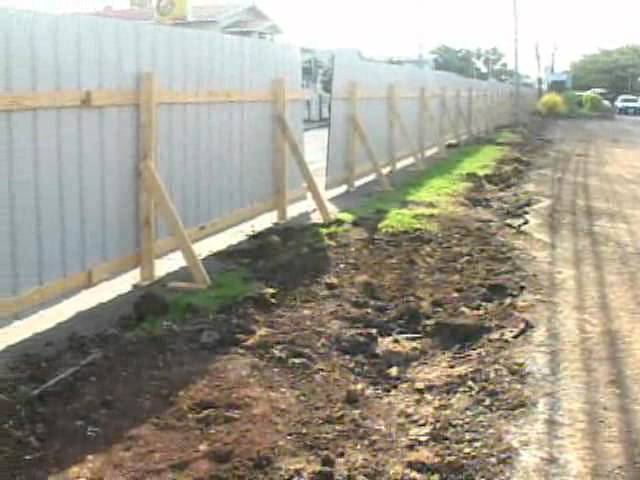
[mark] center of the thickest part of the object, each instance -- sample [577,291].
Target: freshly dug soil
[370,356]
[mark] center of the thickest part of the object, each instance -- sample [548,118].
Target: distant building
[233,18]
[558,81]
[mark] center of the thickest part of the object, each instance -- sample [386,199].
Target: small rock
[419,387]
[393,372]
[150,305]
[368,287]
[331,283]
[273,241]
[209,338]
[222,454]
[262,461]
[495,292]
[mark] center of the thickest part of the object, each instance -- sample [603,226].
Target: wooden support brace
[296,150]
[280,158]
[148,145]
[397,118]
[373,157]
[156,188]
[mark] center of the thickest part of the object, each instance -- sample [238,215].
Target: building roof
[232,16]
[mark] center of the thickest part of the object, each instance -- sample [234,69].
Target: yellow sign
[172,9]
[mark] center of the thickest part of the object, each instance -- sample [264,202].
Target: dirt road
[587,351]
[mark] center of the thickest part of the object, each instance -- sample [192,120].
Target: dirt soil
[585,353]
[370,356]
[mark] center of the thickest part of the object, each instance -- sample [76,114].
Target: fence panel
[450,99]
[70,201]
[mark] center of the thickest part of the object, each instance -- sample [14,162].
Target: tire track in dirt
[589,407]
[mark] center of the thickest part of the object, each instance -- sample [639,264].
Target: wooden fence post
[391,112]
[470,129]
[351,131]
[148,118]
[442,144]
[422,124]
[280,159]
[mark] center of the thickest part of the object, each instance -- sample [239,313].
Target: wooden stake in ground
[148,145]
[422,124]
[391,113]
[280,158]
[352,140]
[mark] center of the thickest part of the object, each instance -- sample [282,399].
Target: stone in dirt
[496,292]
[150,305]
[210,338]
[357,342]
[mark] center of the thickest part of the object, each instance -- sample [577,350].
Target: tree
[479,63]
[616,70]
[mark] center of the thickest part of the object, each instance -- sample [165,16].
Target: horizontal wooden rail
[14,102]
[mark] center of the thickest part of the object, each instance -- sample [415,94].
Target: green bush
[552,104]
[593,103]
[572,101]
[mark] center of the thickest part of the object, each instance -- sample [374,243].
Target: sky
[406,27]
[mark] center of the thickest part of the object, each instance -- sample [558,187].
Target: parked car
[628,105]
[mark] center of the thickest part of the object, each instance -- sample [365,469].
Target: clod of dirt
[354,395]
[150,304]
[327,461]
[222,454]
[210,338]
[409,317]
[358,342]
[496,292]
[331,283]
[262,461]
[453,333]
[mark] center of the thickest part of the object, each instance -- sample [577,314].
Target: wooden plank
[110,98]
[316,194]
[423,108]
[373,157]
[352,146]
[156,187]
[148,146]
[225,96]
[391,125]
[470,129]
[280,154]
[441,117]
[21,101]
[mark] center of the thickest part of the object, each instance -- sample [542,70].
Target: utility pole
[539,69]
[516,78]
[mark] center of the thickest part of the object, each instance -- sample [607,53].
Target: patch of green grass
[508,137]
[341,223]
[227,288]
[409,206]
